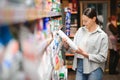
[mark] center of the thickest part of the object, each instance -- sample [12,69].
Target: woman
[111,30]
[89,59]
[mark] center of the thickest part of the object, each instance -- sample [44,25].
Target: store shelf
[71,36]
[118,46]
[73,25]
[14,14]
[73,12]
[69,66]
[69,54]
[73,31]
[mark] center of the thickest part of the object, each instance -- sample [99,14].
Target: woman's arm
[65,44]
[82,52]
[101,56]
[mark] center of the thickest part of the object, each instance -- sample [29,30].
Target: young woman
[92,41]
[111,30]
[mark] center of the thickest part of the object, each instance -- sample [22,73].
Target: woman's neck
[92,28]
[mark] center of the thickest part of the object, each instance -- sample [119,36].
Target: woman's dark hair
[91,12]
[112,18]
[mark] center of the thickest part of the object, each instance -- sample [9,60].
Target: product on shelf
[38,4]
[45,68]
[72,31]
[67,21]
[25,3]
[10,62]
[68,40]
[40,45]
[61,76]
[73,5]
[56,6]
[63,73]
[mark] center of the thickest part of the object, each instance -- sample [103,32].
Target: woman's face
[114,22]
[88,22]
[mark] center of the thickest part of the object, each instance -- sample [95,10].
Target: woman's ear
[94,19]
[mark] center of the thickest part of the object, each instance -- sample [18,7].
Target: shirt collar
[97,30]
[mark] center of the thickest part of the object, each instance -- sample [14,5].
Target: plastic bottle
[67,21]
[61,76]
[69,41]
[10,63]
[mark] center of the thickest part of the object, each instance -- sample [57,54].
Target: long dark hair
[91,12]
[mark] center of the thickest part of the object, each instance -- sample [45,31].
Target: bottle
[67,21]
[61,76]
[68,40]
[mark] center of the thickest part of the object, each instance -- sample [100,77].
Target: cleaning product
[67,21]
[61,76]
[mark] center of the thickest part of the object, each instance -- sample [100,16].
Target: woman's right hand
[65,44]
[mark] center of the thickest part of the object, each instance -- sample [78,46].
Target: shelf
[73,31]
[69,54]
[73,12]
[69,66]
[10,14]
[118,46]
[71,36]
[73,25]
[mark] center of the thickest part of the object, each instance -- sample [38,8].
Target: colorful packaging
[67,21]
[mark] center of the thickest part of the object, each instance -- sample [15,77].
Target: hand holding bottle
[65,44]
[50,39]
[82,52]
[67,40]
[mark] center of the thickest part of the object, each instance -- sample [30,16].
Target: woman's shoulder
[102,32]
[79,31]
[81,28]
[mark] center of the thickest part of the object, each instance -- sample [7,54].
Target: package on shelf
[3,3]
[36,46]
[64,71]
[39,4]
[11,61]
[56,7]
[1,51]
[67,21]
[50,60]
[33,51]
[56,74]
[58,63]
[17,3]
[37,52]
[45,67]
[73,31]
[55,24]
[48,5]
[73,5]
[10,56]
[21,3]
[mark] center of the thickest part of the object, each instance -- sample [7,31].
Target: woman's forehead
[85,17]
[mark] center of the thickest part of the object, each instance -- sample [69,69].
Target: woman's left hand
[79,50]
[82,52]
